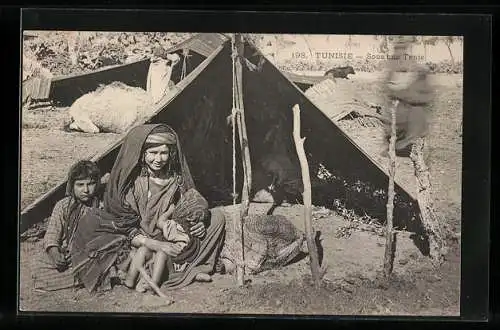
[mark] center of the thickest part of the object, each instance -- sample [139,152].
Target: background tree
[448,41]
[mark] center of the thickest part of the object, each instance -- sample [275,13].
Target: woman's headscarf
[127,167]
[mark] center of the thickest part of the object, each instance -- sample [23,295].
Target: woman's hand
[58,258]
[198,230]
[164,217]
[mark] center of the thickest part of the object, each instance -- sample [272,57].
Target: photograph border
[476,30]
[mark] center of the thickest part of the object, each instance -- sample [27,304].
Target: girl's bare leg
[158,266]
[151,244]
[139,258]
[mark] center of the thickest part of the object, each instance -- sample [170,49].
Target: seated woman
[53,271]
[154,194]
[150,174]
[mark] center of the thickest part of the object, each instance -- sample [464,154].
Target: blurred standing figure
[407,82]
[160,72]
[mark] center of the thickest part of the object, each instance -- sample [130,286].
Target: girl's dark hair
[84,169]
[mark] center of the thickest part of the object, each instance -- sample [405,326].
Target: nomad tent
[199,113]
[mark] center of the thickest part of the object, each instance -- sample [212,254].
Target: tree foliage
[65,52]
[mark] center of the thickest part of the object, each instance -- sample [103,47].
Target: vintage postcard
[146,157]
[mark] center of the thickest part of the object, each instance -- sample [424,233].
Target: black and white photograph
[240,173]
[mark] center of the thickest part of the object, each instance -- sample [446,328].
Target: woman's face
[156,157]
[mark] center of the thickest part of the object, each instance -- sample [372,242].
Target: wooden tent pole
[389,232]
[243,127]
[316,272]
[242,132]
[234,115]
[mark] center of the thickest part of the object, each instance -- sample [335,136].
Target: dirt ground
[351,284]
[47,150]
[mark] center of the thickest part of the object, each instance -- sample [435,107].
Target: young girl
[53,271]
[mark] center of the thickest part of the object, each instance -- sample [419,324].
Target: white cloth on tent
[160,72]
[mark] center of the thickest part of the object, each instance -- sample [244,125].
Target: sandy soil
[351,285]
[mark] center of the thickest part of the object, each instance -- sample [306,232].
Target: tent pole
[244,135]
[389,234]
[316,272]
[242,132]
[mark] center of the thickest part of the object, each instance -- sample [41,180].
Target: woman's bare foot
[128,283]
[303,247]
[229,267]
[142,286]
[122,275]
[203,277]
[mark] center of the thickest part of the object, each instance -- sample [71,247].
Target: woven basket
[270,241]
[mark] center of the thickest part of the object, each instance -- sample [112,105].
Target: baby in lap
[190,209]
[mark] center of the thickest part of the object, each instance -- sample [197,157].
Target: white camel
[118,107]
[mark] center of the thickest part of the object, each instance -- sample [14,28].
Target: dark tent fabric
[199,115]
